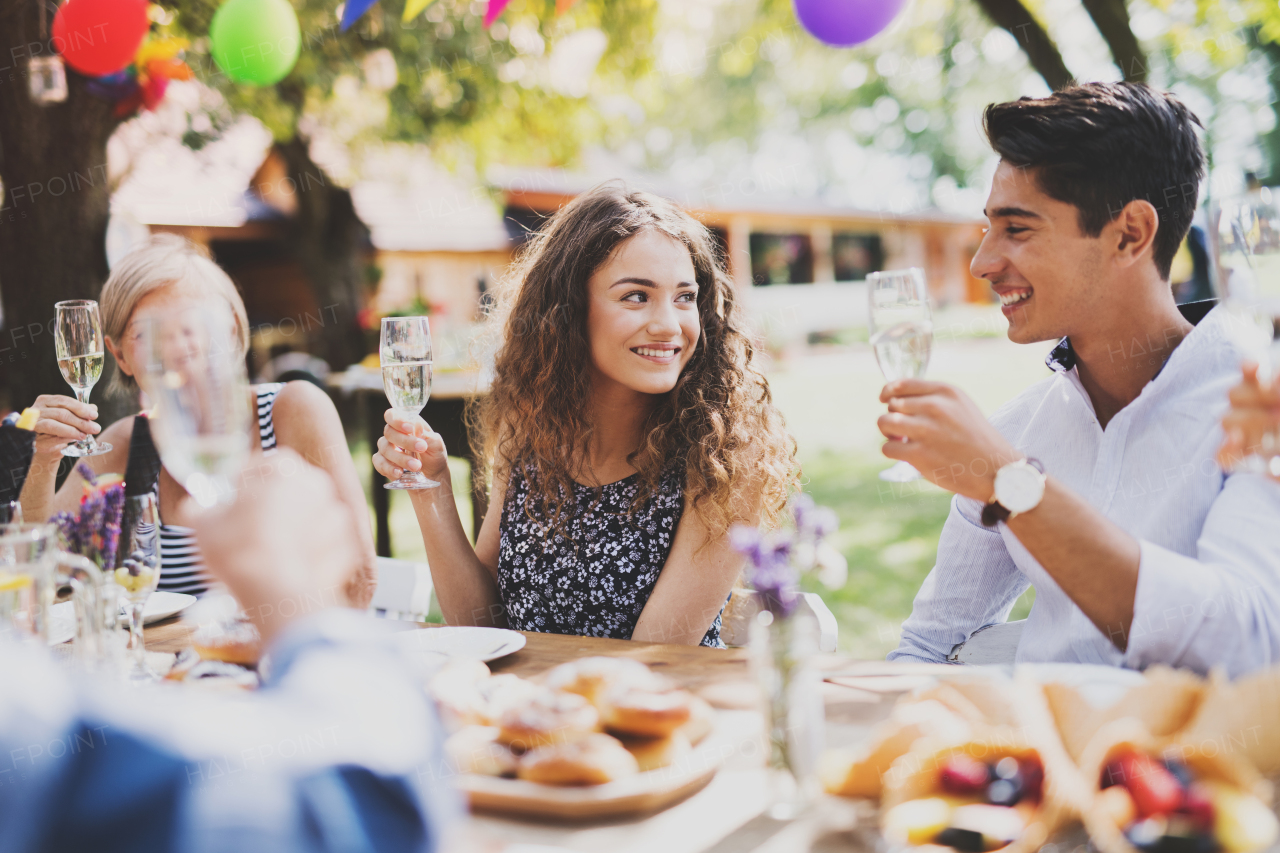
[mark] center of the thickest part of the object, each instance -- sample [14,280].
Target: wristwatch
[1019,488]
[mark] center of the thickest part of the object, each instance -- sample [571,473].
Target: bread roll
[592,760]
[550,717]
[475,749]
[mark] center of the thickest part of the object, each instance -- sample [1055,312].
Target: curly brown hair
[719,419]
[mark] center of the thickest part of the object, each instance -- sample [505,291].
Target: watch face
[1019,488]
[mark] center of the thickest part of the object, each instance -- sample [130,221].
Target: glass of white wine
[901,334]
[194,378]
[405,353]
[77,339]
[1247,245]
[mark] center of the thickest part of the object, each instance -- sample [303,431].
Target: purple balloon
[844,23]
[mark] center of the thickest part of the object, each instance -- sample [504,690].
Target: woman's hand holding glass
[63,420]
[409,444]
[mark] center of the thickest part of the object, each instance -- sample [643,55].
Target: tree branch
[1033,39]
[1111,17]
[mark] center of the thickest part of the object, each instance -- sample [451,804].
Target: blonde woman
[170,273]
[628,430]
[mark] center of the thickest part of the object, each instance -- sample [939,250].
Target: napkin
[143,469]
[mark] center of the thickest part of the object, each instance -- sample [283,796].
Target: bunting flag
[563,6]
[413,8]
[494,10]
[352,10]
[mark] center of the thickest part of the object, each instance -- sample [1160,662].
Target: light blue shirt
[338,752]
[1209,577]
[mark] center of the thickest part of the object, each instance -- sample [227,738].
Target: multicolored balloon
[844,23]
[255,41]
[99,37]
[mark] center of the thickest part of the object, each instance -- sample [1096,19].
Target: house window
[781,259]
[855,256]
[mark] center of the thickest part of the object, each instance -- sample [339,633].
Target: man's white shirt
[1209,579]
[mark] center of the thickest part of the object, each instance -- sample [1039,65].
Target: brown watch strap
[993,513]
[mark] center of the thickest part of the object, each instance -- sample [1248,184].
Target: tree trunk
[1111,17]
[1035,42]
[53,214]
[330,242]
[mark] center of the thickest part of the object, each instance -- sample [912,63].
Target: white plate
[462,642]
[160,605]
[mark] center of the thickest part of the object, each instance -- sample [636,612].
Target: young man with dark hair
[1097,485]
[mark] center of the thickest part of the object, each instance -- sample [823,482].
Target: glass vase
[783,649]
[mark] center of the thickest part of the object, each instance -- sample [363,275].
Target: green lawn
[829,395]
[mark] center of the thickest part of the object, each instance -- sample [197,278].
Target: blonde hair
[163,260]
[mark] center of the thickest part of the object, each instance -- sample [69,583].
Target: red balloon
[99,37]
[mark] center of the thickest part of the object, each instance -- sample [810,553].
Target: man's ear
[1132,234]
[118,355]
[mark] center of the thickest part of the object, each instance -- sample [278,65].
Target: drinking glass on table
[77,339]
[1247,246]
[901,334]
[194,377]
[405,353]
[138,573]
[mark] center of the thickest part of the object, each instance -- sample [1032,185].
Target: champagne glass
[901,334]
[1247,245]
[137,573]
[405,352]
[77,340]
[194,376]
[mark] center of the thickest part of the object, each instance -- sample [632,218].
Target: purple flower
[85,471]
[775,561]
[114,499]
[66,524]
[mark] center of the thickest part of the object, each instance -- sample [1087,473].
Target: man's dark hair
[1102,145]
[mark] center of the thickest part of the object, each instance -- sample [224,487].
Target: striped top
[181,569]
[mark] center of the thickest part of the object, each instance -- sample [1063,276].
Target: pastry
[859,772]
[236,642]
[592,677]
[456,693]
[475,749]
[1157,796]
[979,796]
[654,753]
[550,717]
[701,719]
[501,693]
[639,712]
[591,760]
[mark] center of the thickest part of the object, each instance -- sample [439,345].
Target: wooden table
[724,817]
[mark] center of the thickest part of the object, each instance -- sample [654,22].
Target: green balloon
[255,41]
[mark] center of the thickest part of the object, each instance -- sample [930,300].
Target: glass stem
[82,394]
[136,648]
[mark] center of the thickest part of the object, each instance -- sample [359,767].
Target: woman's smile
[658,353]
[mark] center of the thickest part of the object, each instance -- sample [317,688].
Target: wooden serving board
[642,794]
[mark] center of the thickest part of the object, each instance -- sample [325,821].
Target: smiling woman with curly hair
[627,430]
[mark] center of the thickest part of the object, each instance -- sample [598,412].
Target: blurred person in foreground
[333,753]
[1099,484]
